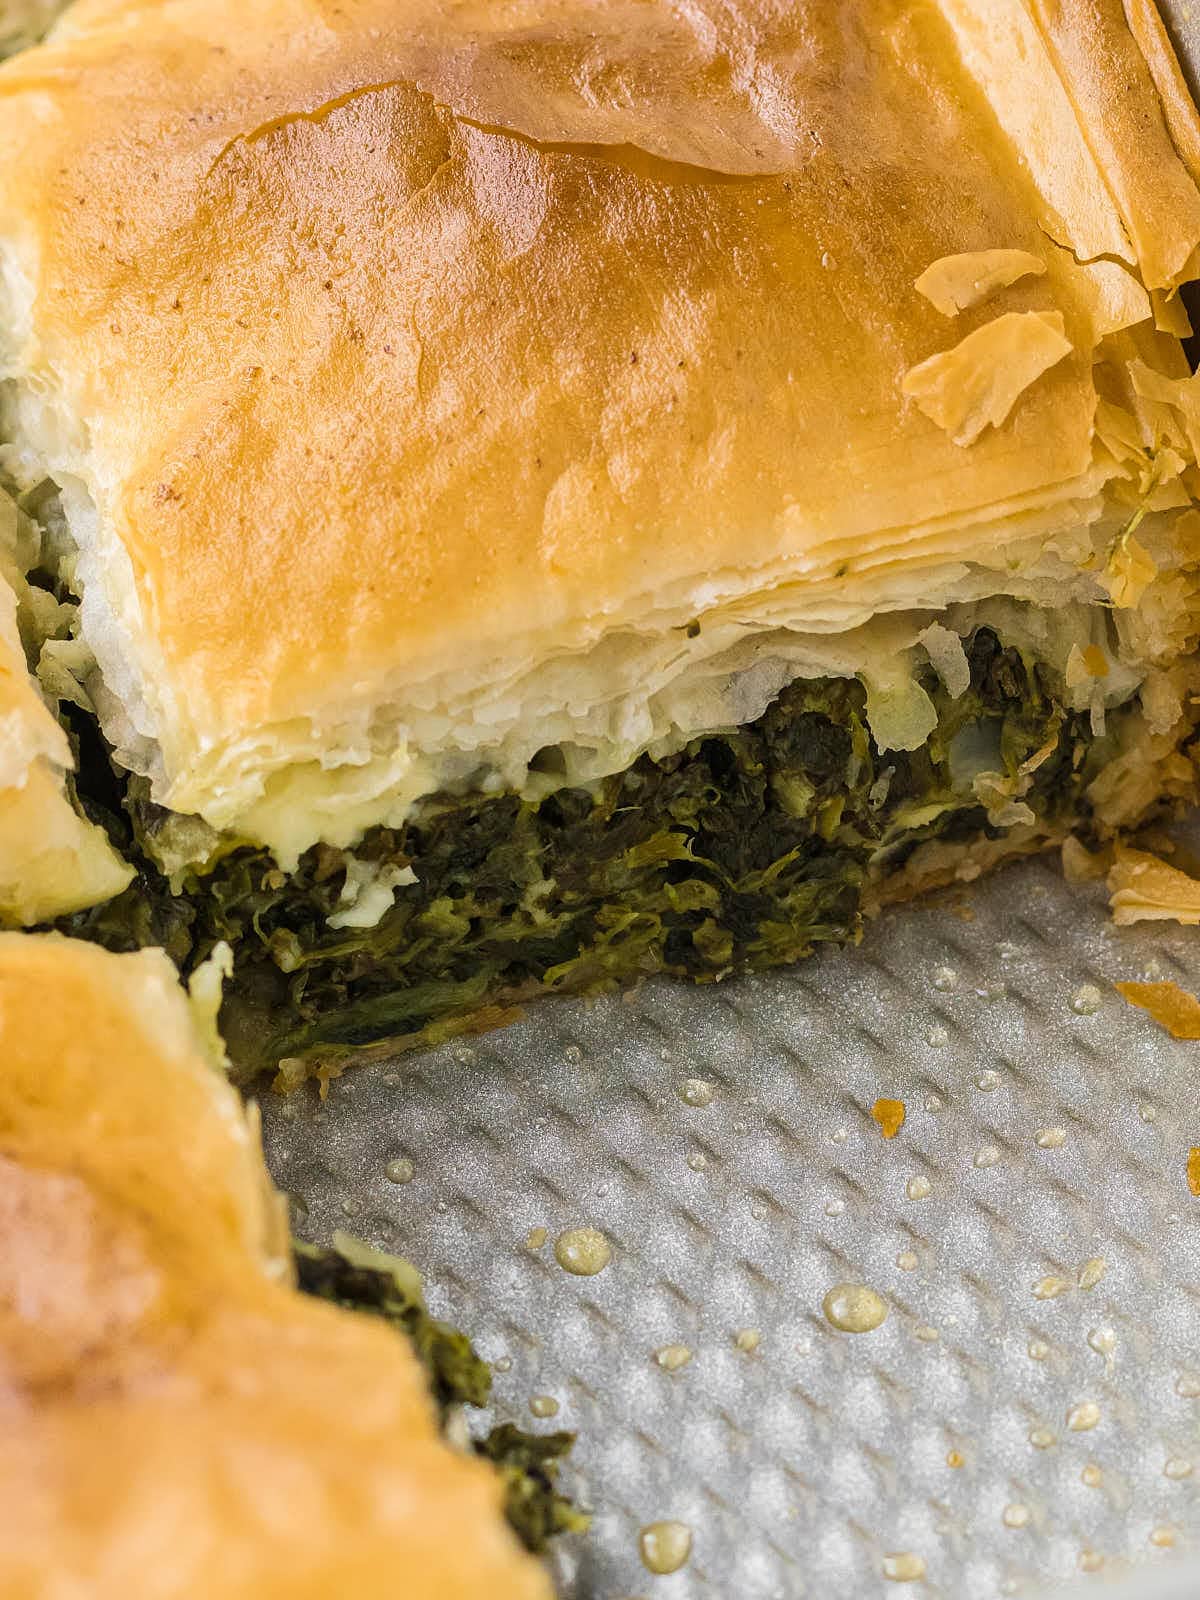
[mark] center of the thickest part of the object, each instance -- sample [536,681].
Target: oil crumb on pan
[1082,1418]
[665,1546]
[673,1357]
[1091,1272]
[583,1252]
[1171,1007]
[1102,1340]
[854,1308]
[889,1114]
[904,1566]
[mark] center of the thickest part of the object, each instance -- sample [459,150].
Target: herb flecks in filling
[744,849]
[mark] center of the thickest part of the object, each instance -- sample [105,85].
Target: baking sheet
[1046,1136]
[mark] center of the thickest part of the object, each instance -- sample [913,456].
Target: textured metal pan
[1001,1433]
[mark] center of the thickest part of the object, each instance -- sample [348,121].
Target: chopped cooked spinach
[456,1374]
[528,1463]
[746,848]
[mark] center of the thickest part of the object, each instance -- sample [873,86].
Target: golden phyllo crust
[415,370]
[178,1422]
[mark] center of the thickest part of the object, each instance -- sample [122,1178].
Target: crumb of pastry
[889,1114]
[1171,1007]
[1144,888]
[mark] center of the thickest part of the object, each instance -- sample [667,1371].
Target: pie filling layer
[745,849]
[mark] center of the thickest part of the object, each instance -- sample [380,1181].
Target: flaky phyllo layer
[795,529]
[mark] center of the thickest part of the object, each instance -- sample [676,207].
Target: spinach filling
[744,849]
[527,1463]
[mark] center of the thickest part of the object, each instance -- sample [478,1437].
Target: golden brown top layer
[394,338]
[177,1422]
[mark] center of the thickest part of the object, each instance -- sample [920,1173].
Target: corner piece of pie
[179,1422]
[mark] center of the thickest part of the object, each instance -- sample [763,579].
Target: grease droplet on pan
[665,1546]
[1092,1271]
[673,1357]
[1086,1000]
[1083,1417]
[904,1566]
[854,1308]
[583,1252]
